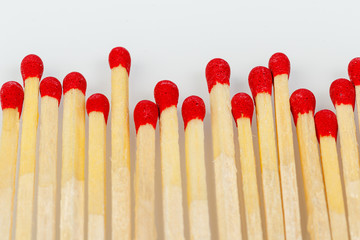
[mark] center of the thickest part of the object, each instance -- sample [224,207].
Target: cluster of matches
[325,199]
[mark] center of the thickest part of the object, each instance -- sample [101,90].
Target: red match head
[260,80]
[74,80]
[166,94]
[302,101]
[242,106]
[31,66]
[12,96]
[193,108]
[51,87]
[120,56]
[279,64]
[342,91]
[217,71]
[145,112]
[354,70]
[326,124]
[98,103]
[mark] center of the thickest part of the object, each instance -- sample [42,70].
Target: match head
[51,87]
[242,106]
[193,108]
[12,96]
[74,80]
[302,101]
[279,64]
[354,71]
[31,66]
[342,91]
[120,56]
[326,124]
[98,103]
[260,80]
[166,94]
[217,71]
[145,112]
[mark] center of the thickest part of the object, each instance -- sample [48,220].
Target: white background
[175,41]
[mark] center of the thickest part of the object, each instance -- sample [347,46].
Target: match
[354,75]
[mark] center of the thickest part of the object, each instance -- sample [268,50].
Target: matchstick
[73,158]
[227,197]
[326,132]
[260,82]
[166,96]
[50,91]
[12,96]
[97,107]
[31,71]
[193,113]
[342,94]
[120,61]
[302,103]
[145,118]
[242,107]
[279,65]
[354,74]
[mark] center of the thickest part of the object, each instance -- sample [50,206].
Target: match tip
[279,64]
[120,56]
[260,80]
[12,96]
[166,94]
[31,66]
[242,106]
[51,87]
[145,112]
[326,124]
[74,80]
[193,107]
[354,70]
[98,103]
[342,91]
[302,101]
[217,71]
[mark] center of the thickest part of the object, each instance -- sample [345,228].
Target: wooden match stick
[31,71]
[145,118]
[342,94]
[193,113]
[50,91]
[260,82]
[242,108]
[227,197]
[279,65]
[73,158]
[12,96]
[166,96]
[120,61]
[97,107]
[354,74]
[302,103]
[326,131]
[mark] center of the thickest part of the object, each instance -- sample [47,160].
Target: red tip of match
[74,80]
[279,64]
[242,106]
[145,112]
[193,108]
[12,96]
[98,103]
[342,91]
[31,66]
[51,87]
[120,56]
[217,71]
[260,80]
[166,94]
[354,70]
[326,124]
[302,101]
